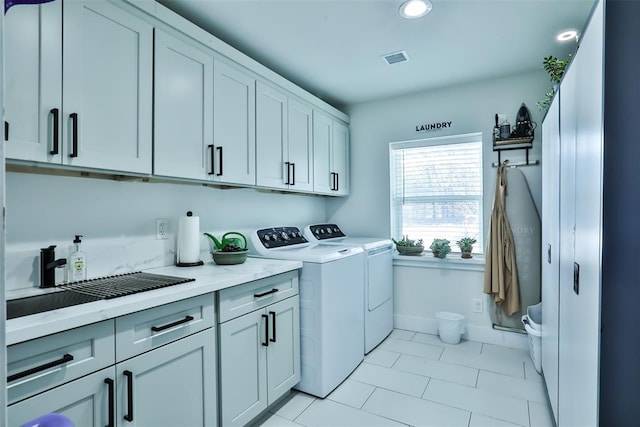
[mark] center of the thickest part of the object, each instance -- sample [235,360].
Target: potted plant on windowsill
[466,246]
[440,248]
[408,246]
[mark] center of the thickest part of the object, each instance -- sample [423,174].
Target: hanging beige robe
[500,272]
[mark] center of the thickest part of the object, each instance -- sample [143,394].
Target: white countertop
[209,278]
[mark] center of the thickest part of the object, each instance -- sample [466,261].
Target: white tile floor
[413,379]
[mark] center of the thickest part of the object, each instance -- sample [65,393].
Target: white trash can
[534,314]
[535,342]
[450,327]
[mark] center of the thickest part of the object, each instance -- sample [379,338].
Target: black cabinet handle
[220,157]
[337,181]
[264,294]
[333,181]
[111,402]
[212,159]
[171,325]
[64,359]
[129,415]
[266,330]
[293,173]
[6,130]
[288,173]
[273,325]
[548,254]
[56,144]
[74,134]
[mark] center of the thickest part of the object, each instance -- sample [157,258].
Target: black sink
[90,290]
[46,302]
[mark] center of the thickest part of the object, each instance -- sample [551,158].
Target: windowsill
[451,262]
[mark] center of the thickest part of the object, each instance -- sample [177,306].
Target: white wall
[117,219]
[420,292]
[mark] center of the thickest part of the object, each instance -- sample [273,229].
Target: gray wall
[420,292]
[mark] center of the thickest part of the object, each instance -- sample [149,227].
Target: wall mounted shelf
[514,144]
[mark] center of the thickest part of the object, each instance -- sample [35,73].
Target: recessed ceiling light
[412,9]
[567,35]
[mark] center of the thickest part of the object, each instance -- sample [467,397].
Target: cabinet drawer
[38,365]
[245,298]
[145,330]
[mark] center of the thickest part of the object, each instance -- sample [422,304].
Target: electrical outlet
[477,305]
[162,229]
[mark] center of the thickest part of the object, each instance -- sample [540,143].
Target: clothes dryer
[331,286]
[378,278]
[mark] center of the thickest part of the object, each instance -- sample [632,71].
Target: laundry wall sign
[433,126]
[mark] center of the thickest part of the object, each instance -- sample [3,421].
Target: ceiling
[334,48]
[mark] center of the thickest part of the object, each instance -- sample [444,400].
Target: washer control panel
[278,237]
[326,231]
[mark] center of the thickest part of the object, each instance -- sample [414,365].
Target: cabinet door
[271,137]
[84,401]
[300,146]
[173,385]
[33,81]
[283,352]
[340,158]
[323,181]
[550,249]
[243,365]
[234,125]
[183,109]
[107,87]
[584,305]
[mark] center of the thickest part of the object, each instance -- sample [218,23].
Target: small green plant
[440,248]
[406,241]
[466,246]
[555,67]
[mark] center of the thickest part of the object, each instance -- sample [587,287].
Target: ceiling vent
[396,57]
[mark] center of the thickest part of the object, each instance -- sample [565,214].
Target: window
[436,189]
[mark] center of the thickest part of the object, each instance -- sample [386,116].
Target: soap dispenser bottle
[77,262]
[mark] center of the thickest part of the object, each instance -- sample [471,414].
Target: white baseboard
[473,332]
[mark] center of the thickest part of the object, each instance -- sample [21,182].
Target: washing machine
[331,286]
[378,274]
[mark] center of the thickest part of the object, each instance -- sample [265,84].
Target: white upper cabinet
[330,155]
[79,95]
[33,82]
[284,141]
[183,109]
[107,89]
[234,126]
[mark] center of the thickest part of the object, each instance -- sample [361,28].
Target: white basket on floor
[535,343]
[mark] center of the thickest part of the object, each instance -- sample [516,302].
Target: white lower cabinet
[259,356]
[173,385]
[163,375]
[84,401]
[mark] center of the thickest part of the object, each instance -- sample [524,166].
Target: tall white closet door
[550,249]
[584,303]
[567,321]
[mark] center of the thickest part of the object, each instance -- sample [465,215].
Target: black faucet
[48,264]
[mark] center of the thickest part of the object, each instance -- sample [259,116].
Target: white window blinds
[436,189]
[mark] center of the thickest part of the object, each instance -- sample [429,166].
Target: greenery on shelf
[466,246]
[555,67]
[406,241]
[440,248]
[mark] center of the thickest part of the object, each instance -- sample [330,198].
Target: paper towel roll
[188,239]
